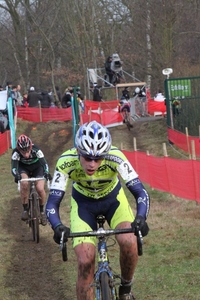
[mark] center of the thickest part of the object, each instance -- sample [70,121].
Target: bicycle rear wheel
[127,120]
[106,293]
[35,218]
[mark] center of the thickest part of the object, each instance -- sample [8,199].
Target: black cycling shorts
[33,170]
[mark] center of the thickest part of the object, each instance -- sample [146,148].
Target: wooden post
[188,144]
[164,149]
[193,150]
[40,109]
[134,144]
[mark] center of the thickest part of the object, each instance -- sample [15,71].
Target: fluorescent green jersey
[102,182]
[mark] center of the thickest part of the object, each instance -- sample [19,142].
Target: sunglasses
[91,158]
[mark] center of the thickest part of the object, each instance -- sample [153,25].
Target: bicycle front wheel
[35,218]
[106,293]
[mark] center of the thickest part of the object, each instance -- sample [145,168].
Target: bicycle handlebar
[33,179]
[102,232]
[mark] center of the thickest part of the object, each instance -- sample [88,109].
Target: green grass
[168,269]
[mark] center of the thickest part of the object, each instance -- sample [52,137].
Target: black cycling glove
[141,224]
[18,177]
[47,176]
[58,233]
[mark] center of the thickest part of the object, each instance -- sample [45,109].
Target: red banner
[35,114]
[184,142]
[5,142]
[178,177]
[154,106]
[105,113]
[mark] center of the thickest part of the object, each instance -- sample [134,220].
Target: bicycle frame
[126,118]
[103,260]
[34,207]
[103,265]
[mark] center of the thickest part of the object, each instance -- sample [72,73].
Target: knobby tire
[127,121]
[64,252]
[35,218]
[105,288]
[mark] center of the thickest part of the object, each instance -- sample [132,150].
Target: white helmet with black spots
[93,139]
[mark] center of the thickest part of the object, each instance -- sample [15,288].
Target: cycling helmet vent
[24,143]
[93,139]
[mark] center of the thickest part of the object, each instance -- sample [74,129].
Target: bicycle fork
[103,266]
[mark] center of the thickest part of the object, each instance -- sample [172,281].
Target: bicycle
[126,119]
[34,207]
[105,281]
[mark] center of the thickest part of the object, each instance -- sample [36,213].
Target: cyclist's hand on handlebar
[58,233]
[47,176]
[18,177]
[141,224]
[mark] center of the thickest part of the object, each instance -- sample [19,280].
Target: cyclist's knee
[85,254]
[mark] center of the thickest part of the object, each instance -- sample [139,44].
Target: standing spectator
[13,94]
[3,122]
[80,99]
[24,101]
[19,97]
[159,96]
[108,70]
[46,100]
[58,93]
[33,97]
[125,93]
[9,88]
[141,96]
[66,99]
[51,95]
[97,93]
[1,88]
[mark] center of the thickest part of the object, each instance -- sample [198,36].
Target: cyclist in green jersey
[29,161]
[94,167]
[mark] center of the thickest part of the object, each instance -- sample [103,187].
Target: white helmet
[93,139]
[137,90]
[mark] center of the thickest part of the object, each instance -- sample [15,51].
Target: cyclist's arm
[42,160]
[15,162]
[141,196]
[56,194]
[136,187]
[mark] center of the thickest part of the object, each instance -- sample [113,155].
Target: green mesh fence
[183,104]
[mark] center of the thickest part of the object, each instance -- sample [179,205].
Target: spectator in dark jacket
[46,100]
[33,98]
[66,99]
[97,93]
[58,93]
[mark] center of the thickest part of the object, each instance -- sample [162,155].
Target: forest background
[45,43]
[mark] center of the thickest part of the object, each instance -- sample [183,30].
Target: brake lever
[139,240]
[63,247]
